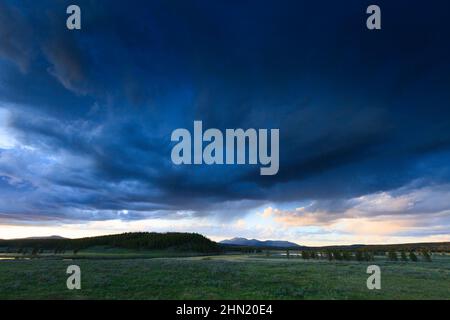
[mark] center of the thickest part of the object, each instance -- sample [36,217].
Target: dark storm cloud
[15,35]
[92,110]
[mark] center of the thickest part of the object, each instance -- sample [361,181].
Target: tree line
[361,255]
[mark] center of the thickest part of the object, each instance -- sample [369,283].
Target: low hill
[430,246]
[254,244]
[137,241]
[259,243]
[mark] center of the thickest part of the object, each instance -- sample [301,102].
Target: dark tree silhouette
[412,256]
[403,256]
[337,255]
[347,255]
[426,256]
[392,255]
[359,256]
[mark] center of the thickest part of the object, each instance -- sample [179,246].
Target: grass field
[223,277]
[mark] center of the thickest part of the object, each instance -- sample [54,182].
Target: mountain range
[259,243]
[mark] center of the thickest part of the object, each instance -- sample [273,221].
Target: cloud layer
[86,116]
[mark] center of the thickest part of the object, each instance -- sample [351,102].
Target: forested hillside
[137,241]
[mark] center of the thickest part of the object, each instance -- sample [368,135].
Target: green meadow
[122,275]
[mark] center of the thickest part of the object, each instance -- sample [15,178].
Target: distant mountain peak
[238,241]
[45,237]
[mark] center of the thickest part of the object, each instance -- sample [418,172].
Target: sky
[86,118]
